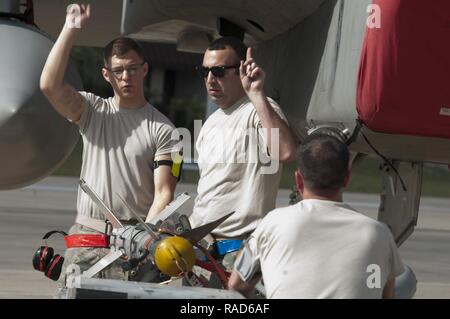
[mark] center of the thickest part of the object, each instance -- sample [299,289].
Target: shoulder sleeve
[276,108]
[166,140]
[247,263]
[91,102]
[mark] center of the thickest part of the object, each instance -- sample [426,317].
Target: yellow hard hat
[174,255]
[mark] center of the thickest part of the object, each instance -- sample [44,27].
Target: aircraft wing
[171,20]
[49,15]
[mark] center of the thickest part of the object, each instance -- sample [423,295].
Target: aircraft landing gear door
[399,206]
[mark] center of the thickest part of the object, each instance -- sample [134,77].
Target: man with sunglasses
[233,176]
[123,137]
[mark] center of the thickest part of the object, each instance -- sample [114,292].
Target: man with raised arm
[240,147]
[123,137]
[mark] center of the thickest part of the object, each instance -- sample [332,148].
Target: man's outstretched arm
[64,98]
[252,78]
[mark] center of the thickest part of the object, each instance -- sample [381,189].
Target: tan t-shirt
[119,148]
[236,172]
[321,249]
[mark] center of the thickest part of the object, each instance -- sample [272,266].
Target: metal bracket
[399,207]
[171,208]
[103,208]
[112,256]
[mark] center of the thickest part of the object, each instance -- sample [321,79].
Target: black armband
[175,166]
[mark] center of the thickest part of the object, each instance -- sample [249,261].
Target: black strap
[157,164]
[46,236]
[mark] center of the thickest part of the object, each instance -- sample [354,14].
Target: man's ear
[299,181]
[145,69]
[347,178]
[106,75]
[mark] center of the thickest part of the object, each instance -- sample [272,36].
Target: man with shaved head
[320,247]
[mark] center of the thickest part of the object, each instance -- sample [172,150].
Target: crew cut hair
[234,43]
[323,161]
[121,46]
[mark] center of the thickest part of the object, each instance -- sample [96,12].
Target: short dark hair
[120,46]
[323,162]
[234,43]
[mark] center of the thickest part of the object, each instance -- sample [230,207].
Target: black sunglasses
[217,71]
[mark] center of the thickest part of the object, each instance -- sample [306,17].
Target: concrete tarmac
[27,214]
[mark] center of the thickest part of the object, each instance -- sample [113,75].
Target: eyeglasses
[217,71]
[132,70]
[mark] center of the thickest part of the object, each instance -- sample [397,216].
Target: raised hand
[77,15]
[252,76]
